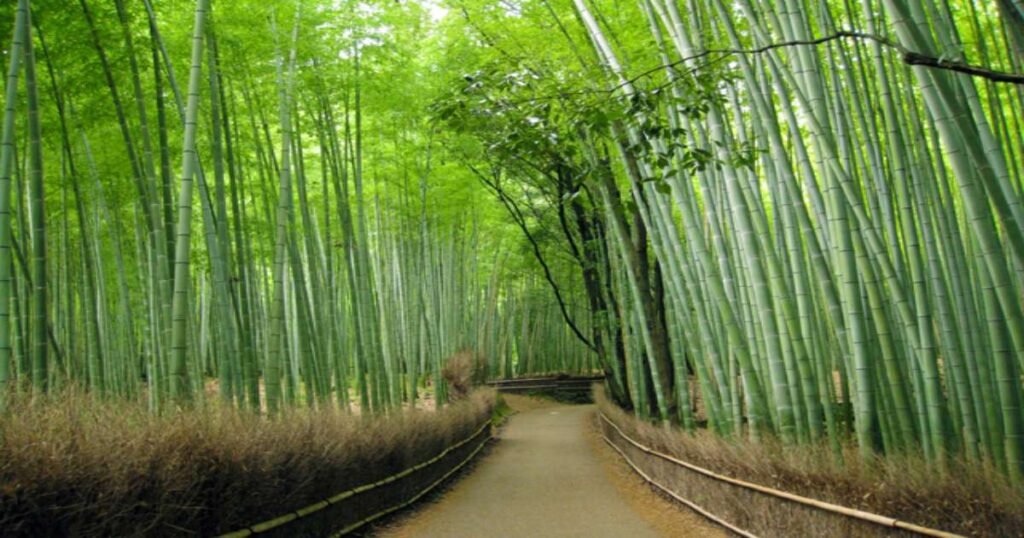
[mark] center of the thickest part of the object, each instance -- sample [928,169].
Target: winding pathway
[542,479]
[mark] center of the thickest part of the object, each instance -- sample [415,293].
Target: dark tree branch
[517,216]
[564,222]
[908,56]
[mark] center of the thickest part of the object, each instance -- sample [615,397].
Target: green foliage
[663,193]
[388,245]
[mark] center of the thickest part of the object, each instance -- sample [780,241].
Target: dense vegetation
[334,253]
[78,467]
[809,208]
[964,500]
[799,218]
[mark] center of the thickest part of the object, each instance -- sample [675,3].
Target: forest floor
[549,475]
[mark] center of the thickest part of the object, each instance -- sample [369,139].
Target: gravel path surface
[543,478]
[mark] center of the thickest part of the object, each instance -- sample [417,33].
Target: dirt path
[544,478]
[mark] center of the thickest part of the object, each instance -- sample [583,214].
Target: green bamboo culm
[180,388]
[278,329]
[40,320]
[6,167]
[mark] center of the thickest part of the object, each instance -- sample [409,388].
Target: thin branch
[909,57]
[517,216]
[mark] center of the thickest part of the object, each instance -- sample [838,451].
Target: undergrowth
[968,498]
[77,466]
[500,412]
[462,372]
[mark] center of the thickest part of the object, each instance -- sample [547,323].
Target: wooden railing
[352,509]
[562,384]
[687,483]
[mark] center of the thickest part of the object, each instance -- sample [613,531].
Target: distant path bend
[541,479]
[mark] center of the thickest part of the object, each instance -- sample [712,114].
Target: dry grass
[74,466]
[967,499]
[463,371]
[666,515]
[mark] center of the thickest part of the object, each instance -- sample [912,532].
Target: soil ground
[549,475]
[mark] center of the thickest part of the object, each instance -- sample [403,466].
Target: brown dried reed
[968,498]
[462,371]
[77,466]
